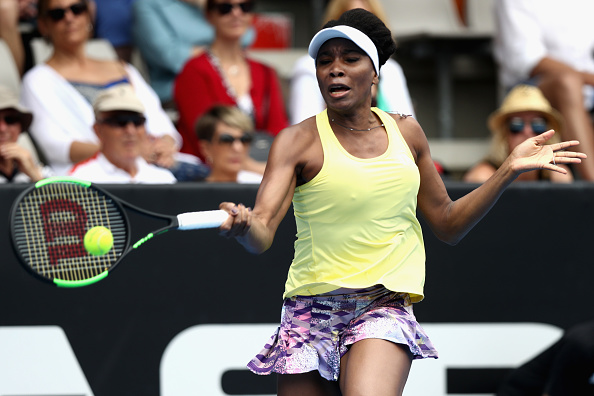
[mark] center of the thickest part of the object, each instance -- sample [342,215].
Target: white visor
[349,33]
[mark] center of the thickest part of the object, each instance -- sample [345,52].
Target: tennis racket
[49,220]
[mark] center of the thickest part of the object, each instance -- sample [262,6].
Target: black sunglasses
[11,119]
[228,139]
[57,14]
[122,120]
[538,125]
[225,8]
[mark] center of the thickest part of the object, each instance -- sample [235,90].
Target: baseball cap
[120,97]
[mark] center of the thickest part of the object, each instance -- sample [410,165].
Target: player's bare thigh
[311,384]
[375,367]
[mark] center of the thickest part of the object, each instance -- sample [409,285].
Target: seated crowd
[197,66]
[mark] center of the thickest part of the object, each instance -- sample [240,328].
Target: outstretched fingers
[568,157]
[564,145]
[562,157]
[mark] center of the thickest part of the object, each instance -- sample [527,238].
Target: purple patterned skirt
[316,331]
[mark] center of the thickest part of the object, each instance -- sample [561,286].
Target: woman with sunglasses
[60,92]
[356,177]
[168,33]
[524,113]
[225,136]
[224,75]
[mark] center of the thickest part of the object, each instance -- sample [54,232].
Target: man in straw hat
[523,114]
[119,125]
[17,164]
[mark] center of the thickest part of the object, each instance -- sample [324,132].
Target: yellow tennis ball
[98,241]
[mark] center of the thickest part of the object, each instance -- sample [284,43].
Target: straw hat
[524,98]
[9,100]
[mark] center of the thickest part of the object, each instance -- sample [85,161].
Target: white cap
[120,97]
[349,33]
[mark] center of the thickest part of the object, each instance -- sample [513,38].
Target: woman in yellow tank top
[355,176]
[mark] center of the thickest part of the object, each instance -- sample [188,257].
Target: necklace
[356,130]
[233,70]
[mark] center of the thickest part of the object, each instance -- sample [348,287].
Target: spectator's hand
[23,159]
[535,154]
[165,149]
[160,151]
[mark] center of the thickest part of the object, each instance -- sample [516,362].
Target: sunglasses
[57,14]
[538,125]
[225,8]
[228,139]
[122,120]
[11,119]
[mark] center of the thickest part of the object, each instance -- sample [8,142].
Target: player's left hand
[534,153]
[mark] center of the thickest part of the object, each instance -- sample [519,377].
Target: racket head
[48,222]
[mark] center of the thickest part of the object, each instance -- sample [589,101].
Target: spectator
[120,129]
[113,22]
[61,91]
[168,33]
[566,368]
[551,46]
[225,135]
[391,94]
[17,164]
[10,13]
[523,114]
[224,75]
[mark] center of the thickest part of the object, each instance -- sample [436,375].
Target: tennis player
[356,176]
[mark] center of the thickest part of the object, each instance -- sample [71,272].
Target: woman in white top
[60,92]
[391,94]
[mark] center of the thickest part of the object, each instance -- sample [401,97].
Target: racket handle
[198,220]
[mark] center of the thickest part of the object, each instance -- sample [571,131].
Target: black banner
[528,261]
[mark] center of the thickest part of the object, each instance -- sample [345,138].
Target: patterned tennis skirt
[316,331]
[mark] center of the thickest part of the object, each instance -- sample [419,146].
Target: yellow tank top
[356,220]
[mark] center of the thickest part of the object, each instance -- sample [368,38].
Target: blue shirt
[165,31]
[114,21]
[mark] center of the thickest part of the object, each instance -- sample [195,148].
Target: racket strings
[49,228]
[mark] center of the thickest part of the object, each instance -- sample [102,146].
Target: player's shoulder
[301,132]
[407,124]
[296,140]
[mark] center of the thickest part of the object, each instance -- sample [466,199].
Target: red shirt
[199,86]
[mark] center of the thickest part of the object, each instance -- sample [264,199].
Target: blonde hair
[336,8]
[230,115]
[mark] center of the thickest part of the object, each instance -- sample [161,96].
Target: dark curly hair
[372,27]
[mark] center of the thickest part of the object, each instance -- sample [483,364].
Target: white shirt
[99,170]
[529,30]
[306,100]
[248,177]
[62,115]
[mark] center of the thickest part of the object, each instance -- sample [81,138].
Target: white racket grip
[198,220]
